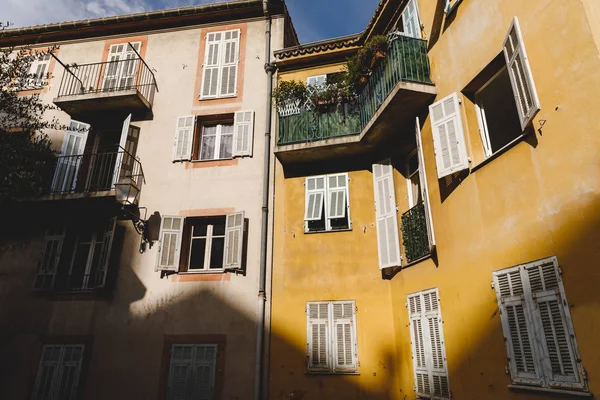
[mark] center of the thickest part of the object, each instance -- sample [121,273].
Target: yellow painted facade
[536,199]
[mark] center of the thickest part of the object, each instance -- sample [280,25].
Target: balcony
[89,91]
[415,235]
[397,89]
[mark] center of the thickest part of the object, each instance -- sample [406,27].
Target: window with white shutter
[411,25]
[243,133]
[220,69]
[388,242]
[234,237]
[327,205]
[48,264]
[192,372]
[170,244]
[428,347]
[38,71]
[537,326]
[331,344]
[59,372]
[448,136]
[184,137]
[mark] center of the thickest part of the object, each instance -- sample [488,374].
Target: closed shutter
[521,78]
[314,198]
[105,250]
[184,136]
[388,243]
[211,68]
[58,372]
[428,347]
[48,264]
[231,48]
[68,380]
[203,377]
[243,132]
[424,187]
[337,189]
[180,372]
[234,237]
[112,68]
[344,326]
[317,336]
[170,243]
[448,136]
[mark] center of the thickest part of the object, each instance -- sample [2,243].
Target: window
[539,336]
[327,204]
[231,136]
[59,372]
[411,26]
[388,243]
[201,244]
[38,71]
[76,257]
[192,372]
[428,348]
[317,80]
[221,57]
[122,64]
[331,337]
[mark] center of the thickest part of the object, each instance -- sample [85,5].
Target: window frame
[207,249]
[37,81]
[221,64]
[60,365]
[415,18]
[326,202]
[218,136]
[413,154]
[193,363]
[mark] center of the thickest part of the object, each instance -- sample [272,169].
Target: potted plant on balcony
[358,69]
[377,47]
[290,94]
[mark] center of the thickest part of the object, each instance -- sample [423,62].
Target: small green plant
[360,65]
[290,92]
[378,44]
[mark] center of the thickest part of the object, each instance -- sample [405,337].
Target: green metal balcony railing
[406,61]
[415,237]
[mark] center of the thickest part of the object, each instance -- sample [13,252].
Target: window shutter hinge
[406,304]
[493,285]
[506,370]
[559,271]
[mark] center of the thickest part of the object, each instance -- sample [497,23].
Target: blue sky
[313,19]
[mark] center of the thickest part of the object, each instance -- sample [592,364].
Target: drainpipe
[260,326]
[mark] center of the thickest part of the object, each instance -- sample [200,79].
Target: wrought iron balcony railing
[406,61]
[415,237]
[96,172]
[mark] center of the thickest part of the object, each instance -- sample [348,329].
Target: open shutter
[203,375]
[448,136]
[212,62]
[344,337]
[243,133]
[184,135]
[521,78]
[388,242]
[424,187]
[517,326]
[337,189]
[317,337]
[559,357]
[53,243]
[230,53]
[170,244]
[180,372]
[105,249]
[314,198]
[122,144]
[234,237]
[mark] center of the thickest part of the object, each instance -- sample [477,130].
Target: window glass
[216,142]
[207,243]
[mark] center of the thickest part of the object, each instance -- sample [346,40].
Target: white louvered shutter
[53,243]
[105,250]
[184,136]
[211,68]
[180,372]
[517,326]
[424,187]
[521,78]
[314,198]
[317,336]
[229,68]
[243,133]
[388,242]
[417,339]
[122,143]
[448,136]
[344,336]
[203,372]
[170,244]
[58,372]
[234,237]
[112,68]
[337,189]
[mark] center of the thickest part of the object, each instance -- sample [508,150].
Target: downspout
[260,325]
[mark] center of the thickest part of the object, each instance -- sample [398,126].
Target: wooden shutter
[58,372]
[184,136]
[170,243]
[203,372]
[229,66]
[243,133]
[211,67]
[48,264]
[388,243]
[314,198]
[517,326]
[424,187]
[521,78]
[105,250]
[337,190]
[180,372]
[428,347]
[448,136]
[344,336]
[234,237]
[318,351]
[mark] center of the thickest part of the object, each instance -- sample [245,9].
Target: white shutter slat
[318,340]
[521,78]
[314,198]
[345,336]
[212,66]
[180,372]
[424,186]
[336,196]
[243,124]
[230,54]
[388,242]
[234,236]
[184,136]
[170,243]
[448,136]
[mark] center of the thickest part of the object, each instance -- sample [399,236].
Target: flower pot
[377,58]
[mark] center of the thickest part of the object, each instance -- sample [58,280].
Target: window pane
[208,142]
[219,226]
[199,228]
[225,150]
[79,264]
[216,256]
[197,254]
